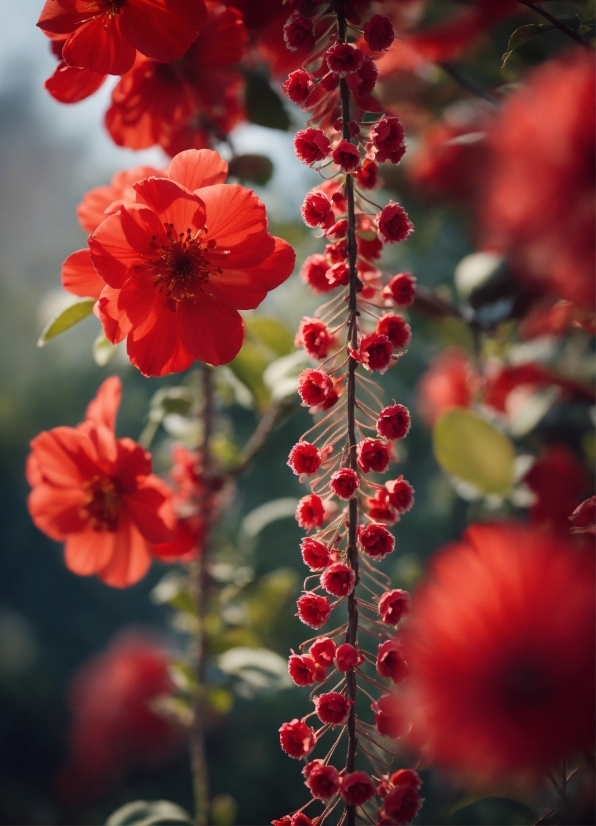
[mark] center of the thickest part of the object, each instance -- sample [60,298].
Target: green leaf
[264,515]
[256,169]
[271,333]
[66,319]
[259,667]
[522,35]
[148,813]
[220,699]
[224,810]
[103,350]
[587,27]
[468,447]
[263,105]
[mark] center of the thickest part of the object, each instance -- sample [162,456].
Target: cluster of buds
[346,514]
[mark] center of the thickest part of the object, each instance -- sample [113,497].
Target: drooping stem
[558,24]
[199,768]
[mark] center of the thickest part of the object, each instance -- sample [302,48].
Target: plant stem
[557,23]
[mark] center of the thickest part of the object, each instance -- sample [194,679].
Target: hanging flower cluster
[346,515]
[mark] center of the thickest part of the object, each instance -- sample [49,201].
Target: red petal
[55,510]
[237,221]
[80,277]
[151,509]
[100,46]
[89,551]
[185,544]
[123,241]
[198,167]
[246,289]
[133,462]
[64,457]
[210,330]
[116,324]
[155,347]
[163,29]
[103,409]
[130,557]
[70,85]
[173,203]
[63,16]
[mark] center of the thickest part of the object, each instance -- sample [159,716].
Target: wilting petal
[196,168]
[80,277]
[103,409]
[210,330]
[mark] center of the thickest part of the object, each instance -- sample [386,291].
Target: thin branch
[557,23]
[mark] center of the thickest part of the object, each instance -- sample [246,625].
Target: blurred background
[52,621]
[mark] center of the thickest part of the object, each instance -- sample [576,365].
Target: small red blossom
[105,37]
[374,352]
[338,275]
[311,145]
[313,610]
[297,739]
[97,494]
[299,34]
[394,224]
[346,156]
[323,651]
[390,661]
[402,803]
[337,252]
[380,509]
[406,777]
[333,708]
[316,555]
[344,483]
[376,540]
[401,290]
[373,455]
[323,781]
[314,387]
[370,248]
[378,33]
[338,579]
[339,230]
[400,494]
[314,273]
[298,86]
[310,511]
[356,788]
[316,210]
[348,657]
[394,605]
[315,337]
[304,458]
[386,140]
[368,175]
[394,422]
[388,716]
[397,330]
[302,669]
[362,82]
[344,58]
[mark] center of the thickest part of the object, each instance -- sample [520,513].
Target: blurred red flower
[104,35]
[97,494]
[449,382]
[560,483]
[540,200]
[500,651]
[181,262]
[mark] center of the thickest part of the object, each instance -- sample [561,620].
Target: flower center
[181,266]
[103,504]
[109,7]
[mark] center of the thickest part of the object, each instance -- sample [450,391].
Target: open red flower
[316,555]
[394,422]
[297,739]
[104,36]
[98,495]
[333,707]
[388,716]
[323,781]
[357,788]
[376,540]
[313,609]
[180,263]
[394,605]
[373,454]
[323,651]
[390,661]
[338,579]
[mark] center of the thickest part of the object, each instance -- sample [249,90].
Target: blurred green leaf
[256,169]
[224,810]
[269,597]
[468,447]
[263,105]
[231,390]
[281,376]
[148,813]
[103,350]
[522,35]
[264,515]
[259,667]
[220,699]
[271,333]
[65,320]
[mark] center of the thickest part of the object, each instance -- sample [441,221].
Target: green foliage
[468,447]
[522,34]
[148,813]
[224,810]
[103,350]
[255,169]
[266,341]
[66,319]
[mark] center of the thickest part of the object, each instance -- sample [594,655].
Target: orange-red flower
[500,651]
[97,494]
[180,263]
[104,35]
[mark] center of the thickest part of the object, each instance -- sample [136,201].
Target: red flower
[304,458]
[403,802]
[323,651]
[449,382]
[97,493]
[313,609]
[348,657]
[560,482]
[401,290]
[356,788]
[302,669]
[316,210]
[395,328]
[314,273]
[376,540]
[310,511]
[316,555]
[297,739]
[298,86]
[187,103]
[67,84]
[338,275]
[388,716]
[390,661]
[299,34]
[378,33]
[338,579]
[386,142]
[105,200]
[314,387]
[105,36]
[400,494]
[379,508]
[114,726]
[394,224]
[315,337]
[311,145]
[181,263]
[333,708]
[394,605]
[80,277]
[361,83]
[374,352]
[373,455]
[346,156]
[344,483]
[368,175]
[394,422]
[323,781]
[344,58]
[501,686]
